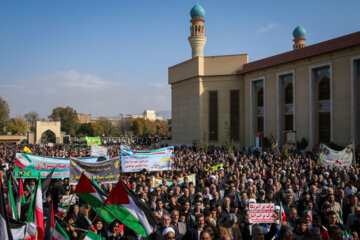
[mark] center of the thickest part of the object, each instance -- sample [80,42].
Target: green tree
[138,126]
[162,128]
[98,129]
[4,113]
[85,129]
[17,125]
[32,117]
[106,125]
[149,128]
[68,118]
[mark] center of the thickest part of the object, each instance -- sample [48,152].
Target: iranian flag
[11,201]
[308,215]
[282,214]
[22,161]
[61,209]
[35,214]
[130,210]
[86,190]
[59,233]
[93,236]
[52,218]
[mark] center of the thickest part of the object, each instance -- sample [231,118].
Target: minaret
[299,34]
[197,37]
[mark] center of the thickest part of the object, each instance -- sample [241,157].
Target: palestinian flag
[61,209]
[22,161]
[282,214]
[35,214]
[11,202]
[5,232]
[20,230]
[87,192]
[59,233]
[93,236]
[130,210]
[10,228]
[47,181]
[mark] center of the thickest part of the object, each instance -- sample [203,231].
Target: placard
[261,213]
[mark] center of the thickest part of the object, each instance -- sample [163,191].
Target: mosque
[311,92]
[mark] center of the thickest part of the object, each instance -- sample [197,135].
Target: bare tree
[32,117]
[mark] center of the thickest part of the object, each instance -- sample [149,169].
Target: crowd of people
[311,201]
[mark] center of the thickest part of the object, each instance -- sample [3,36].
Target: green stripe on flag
[93,236]
[126,218]
[96,204]
[12,201]
[59,233]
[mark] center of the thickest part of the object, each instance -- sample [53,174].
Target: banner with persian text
[169,182]
[98,151]
[343,158]
[30,166]
[156,160]
[93,141]
[104,172]
[261,213]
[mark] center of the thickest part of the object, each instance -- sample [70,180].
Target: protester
[318,202]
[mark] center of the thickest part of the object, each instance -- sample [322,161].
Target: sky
[111,57]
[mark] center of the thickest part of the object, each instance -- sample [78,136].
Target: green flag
[12,204]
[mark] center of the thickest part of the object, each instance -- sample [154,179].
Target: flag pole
[97,214]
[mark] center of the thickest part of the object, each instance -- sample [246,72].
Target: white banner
[330,157]
[261,212]
[156,160]
[98,151]
[169,182]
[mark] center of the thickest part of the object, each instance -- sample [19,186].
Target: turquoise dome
[197,11]
[299,32]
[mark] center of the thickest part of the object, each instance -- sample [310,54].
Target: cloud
[74,79]
[85,92]
[267,28]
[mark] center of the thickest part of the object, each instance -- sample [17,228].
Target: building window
[260,124]
[289,122]
[234,114]
[324,127]
[213,116]
[324,89]
[260,97]
[288,94]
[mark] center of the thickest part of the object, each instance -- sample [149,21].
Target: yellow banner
[216,167]
[27,150]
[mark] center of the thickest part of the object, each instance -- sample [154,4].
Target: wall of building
[84,118]
[339,63]
[222,84]
[186,119]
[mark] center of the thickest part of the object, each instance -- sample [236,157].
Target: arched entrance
[49,130]
[48,137]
